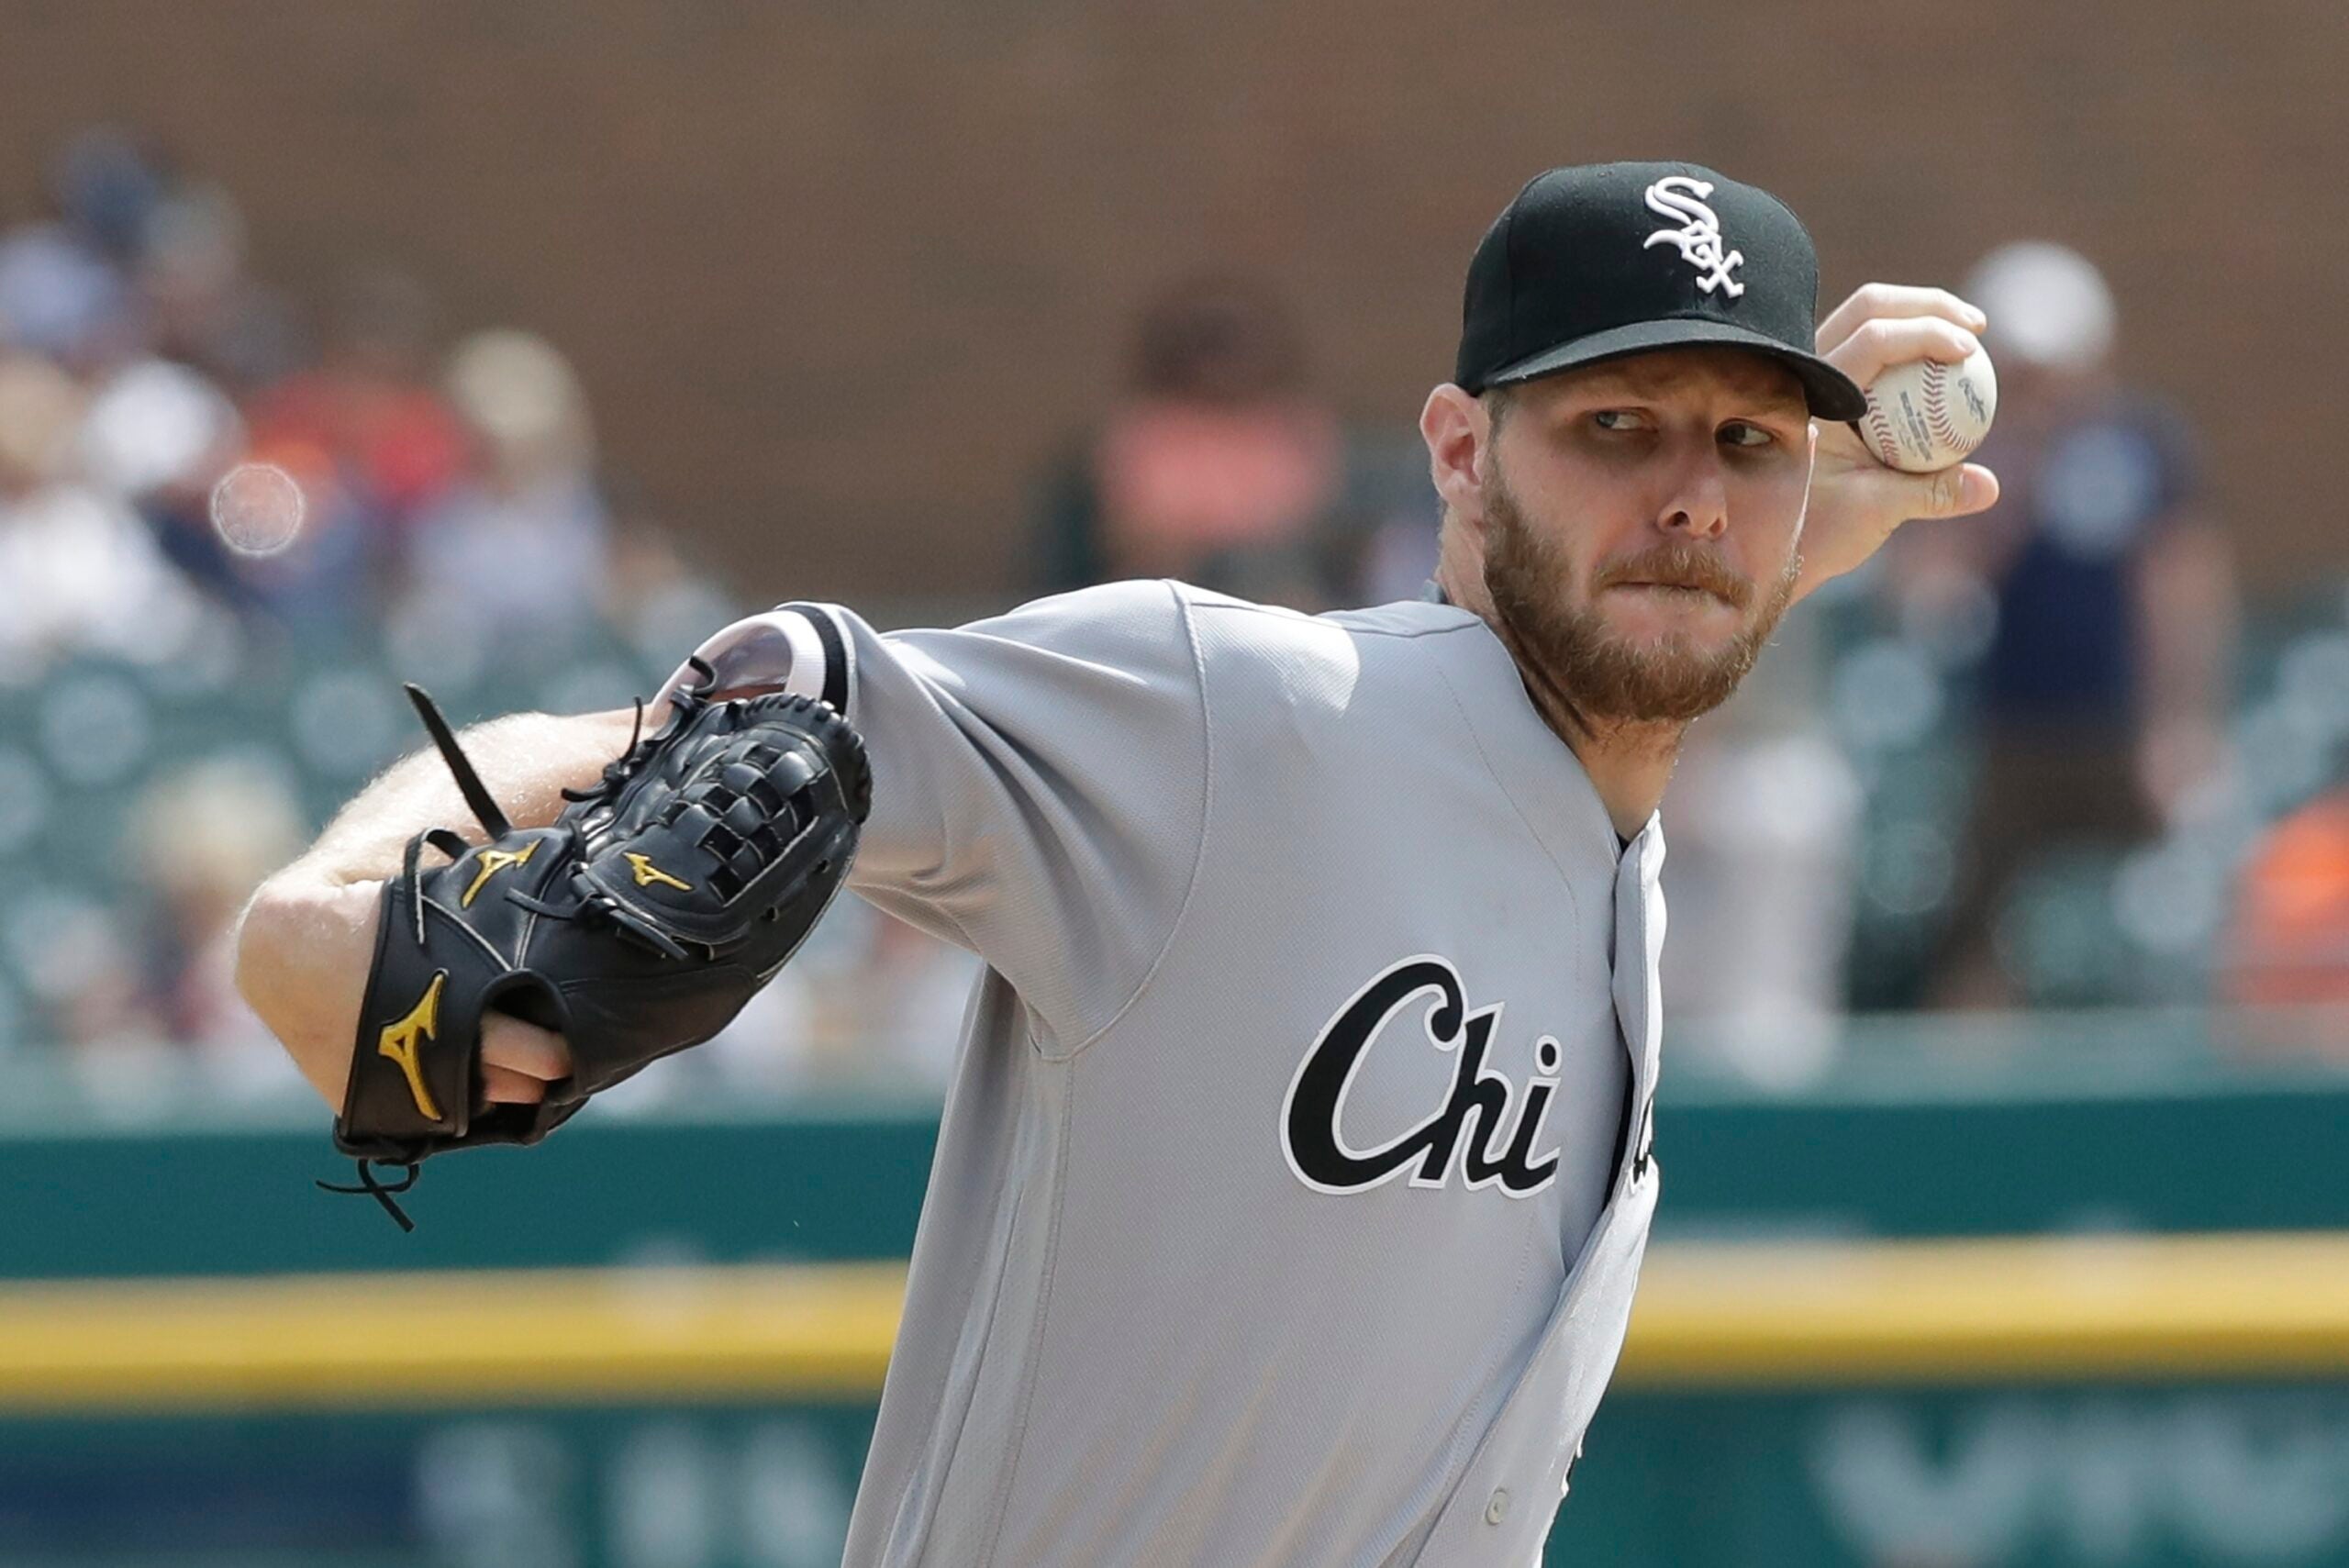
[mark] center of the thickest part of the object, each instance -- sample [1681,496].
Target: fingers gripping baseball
[1874,346]
[1882,325]
[1857,500]
[1889,497]
[1895,342]
[1888,301]
[1955,491]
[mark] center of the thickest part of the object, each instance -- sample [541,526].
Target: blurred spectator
[2101,689]
[1766,816]
[322,577]
[885,1001]
[1218,466]
[368,412]
[160,436]
[520,542]
[153,425]
[868,1001]
[1392,518]
[914,990]
[64,292]
[2288,947]
[106,183]
[203,307]
[57,293]
[372,446]
[78,572]
[204,837]
[655,595]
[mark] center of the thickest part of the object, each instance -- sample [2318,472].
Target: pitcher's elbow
[301,953]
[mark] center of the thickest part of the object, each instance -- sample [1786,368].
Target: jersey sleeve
[1040,778]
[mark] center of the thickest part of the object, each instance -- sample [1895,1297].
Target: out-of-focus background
[514,348]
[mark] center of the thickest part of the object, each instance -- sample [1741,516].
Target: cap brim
[1830,393]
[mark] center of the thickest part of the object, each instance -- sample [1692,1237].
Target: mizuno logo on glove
[647,874]
[398,1040]
[492,863]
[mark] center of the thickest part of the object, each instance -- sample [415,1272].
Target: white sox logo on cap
[1699,238]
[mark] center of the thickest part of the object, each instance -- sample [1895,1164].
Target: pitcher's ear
[1457,428]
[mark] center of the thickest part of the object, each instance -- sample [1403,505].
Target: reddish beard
[1599,680]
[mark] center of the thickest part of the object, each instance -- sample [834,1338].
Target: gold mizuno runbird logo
[494,862]
[397,1042]
[647,874]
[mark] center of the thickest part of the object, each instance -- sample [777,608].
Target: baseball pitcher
[1294,1181]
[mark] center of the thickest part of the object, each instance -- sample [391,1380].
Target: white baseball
[1925,415]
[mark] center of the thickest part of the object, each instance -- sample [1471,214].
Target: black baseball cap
[1603,259]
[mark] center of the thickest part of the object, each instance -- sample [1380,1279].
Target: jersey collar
[1538,772]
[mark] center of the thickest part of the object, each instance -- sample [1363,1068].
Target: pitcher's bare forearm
[307,937]
[526,760]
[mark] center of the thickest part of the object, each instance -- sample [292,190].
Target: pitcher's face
[1641,521]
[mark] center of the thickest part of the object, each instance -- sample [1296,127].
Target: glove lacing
[683,704]
[371,1185]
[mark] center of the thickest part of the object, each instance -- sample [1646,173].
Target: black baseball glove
[638,925]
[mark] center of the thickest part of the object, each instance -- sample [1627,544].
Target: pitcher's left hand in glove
[637,925]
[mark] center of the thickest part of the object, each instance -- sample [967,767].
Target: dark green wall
[2210,1154]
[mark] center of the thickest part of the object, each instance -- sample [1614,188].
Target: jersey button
[1497,1509]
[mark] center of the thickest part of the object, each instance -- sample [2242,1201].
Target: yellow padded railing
[1747,1314]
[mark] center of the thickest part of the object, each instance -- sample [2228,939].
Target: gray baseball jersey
[1294,1179]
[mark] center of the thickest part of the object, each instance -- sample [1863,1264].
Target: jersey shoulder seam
[1182,610]
[1273,613]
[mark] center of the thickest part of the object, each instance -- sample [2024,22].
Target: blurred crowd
[2040,760]
[226,523]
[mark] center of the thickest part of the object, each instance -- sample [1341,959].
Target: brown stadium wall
[841,277]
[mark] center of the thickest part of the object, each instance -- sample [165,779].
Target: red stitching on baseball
[1936,379]
[1937,410]
[1888,445]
